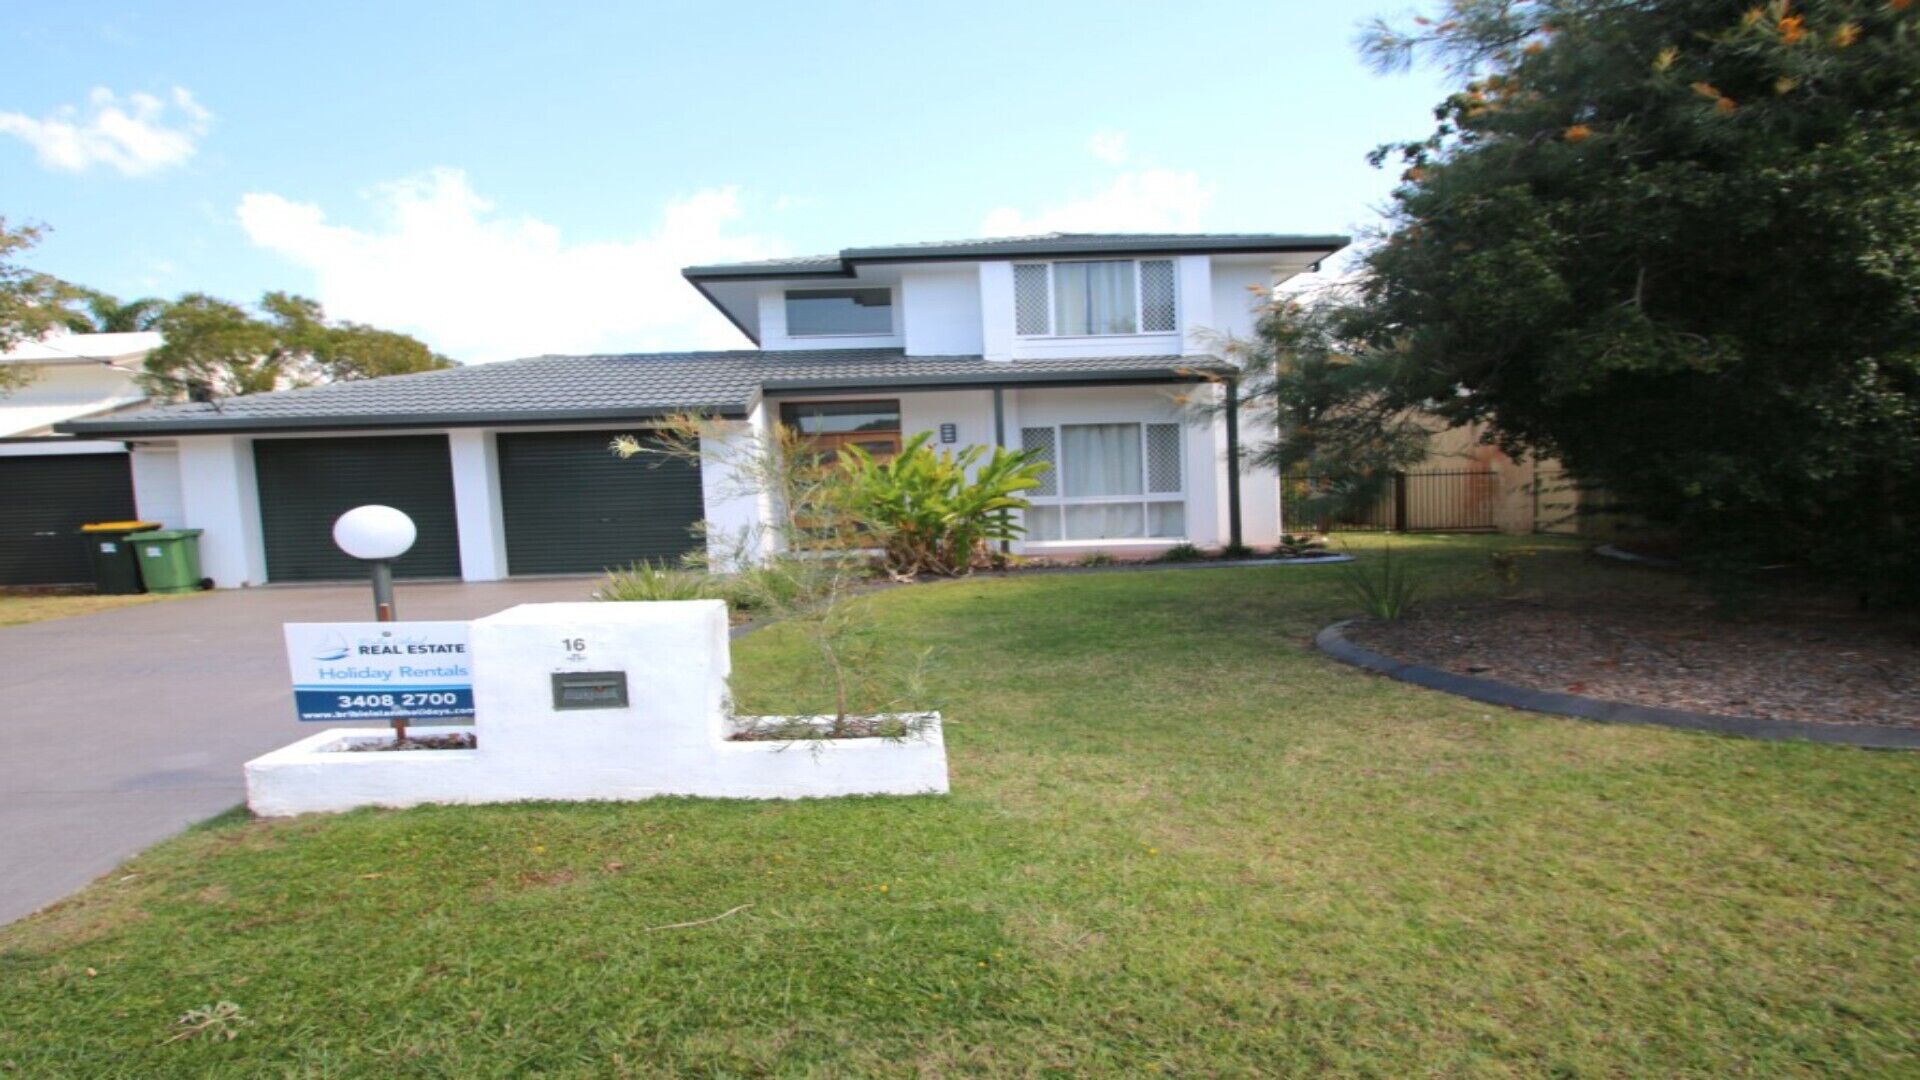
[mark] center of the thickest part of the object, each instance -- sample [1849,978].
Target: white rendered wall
[671,738]
[739,515]
[996,310]
[1193,275]
[219,496]
[1238,292]
[969,411]
[156,485]
[941,309]
[475,459]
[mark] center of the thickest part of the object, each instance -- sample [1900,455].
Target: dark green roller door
[571,506]
[306,484]
[43,503]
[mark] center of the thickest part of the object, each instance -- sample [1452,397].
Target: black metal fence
[1447,501]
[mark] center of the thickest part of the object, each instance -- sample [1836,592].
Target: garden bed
[1814,667]
[457,740]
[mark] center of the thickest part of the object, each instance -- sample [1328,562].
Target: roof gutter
[242,425]
[852,258]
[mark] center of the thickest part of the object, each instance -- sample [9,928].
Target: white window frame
[1139,301]
[1145,497]
[893,311]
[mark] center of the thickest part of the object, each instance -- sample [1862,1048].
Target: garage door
[43,503]
[305,484]
[571,506]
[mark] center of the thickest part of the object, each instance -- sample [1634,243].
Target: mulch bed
[459,740]
[1817,666]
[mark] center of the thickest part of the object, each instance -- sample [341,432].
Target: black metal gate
[1446,501]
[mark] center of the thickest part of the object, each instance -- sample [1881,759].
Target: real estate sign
[380,671]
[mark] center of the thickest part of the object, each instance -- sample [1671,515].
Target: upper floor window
[839,312]
[1104,296]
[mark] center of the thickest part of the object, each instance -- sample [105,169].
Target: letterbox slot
[589,690]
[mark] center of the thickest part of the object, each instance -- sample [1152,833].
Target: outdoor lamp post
[379,535]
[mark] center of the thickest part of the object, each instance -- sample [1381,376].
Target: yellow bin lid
[120,526]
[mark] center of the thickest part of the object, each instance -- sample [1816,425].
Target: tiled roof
[1005,246]
[561,389]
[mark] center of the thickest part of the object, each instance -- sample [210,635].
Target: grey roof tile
[610,387]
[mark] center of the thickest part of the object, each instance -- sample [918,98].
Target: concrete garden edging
[1334,643]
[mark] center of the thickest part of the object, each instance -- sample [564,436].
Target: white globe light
[374,532]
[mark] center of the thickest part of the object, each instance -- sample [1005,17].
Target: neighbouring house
[50,483]
[1080,347]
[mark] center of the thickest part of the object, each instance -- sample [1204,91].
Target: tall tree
[1675,243]
[30,302]
[215,349]
[103,313]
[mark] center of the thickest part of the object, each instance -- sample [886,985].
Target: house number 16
[574,644]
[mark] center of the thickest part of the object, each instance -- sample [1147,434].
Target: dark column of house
[1233,462]
[1000,437]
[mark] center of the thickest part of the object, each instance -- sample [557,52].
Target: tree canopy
[29,301]
[215,348]
[1675,243]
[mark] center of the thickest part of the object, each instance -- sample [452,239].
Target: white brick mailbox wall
[595,701]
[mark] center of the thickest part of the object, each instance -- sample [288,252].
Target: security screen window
[839,312]
[1094,298]
[1108,482]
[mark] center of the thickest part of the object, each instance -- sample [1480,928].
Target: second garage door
[305,484]
[571,506]
[43,503]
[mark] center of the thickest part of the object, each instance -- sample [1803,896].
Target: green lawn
[1179,841]
[18,608]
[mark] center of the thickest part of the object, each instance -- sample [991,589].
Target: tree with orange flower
[1674,243]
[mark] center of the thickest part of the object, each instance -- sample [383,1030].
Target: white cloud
[1108,146]
[481,285]
[1149,200]
[140,135]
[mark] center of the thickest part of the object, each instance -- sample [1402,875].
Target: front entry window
[1118,481]
[873,426]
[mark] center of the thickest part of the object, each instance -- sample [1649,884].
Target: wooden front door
[873,426]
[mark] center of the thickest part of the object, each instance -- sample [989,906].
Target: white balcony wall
[940,308]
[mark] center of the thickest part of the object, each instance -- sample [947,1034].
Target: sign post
[378,535]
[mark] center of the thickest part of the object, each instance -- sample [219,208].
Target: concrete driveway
[121,728]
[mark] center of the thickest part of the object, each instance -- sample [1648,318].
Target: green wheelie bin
[169,559]
[115,571]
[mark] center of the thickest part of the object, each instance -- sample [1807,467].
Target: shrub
[935,511]
[1183,553]
[645,581]
[1237,551]
[1297,546]
[1385,589]
[1094,558]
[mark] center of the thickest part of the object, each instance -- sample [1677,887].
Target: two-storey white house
[1081,347]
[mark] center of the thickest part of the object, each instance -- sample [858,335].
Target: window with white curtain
[1113,481]
[1100,297]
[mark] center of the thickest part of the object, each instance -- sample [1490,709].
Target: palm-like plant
[107,314]
[936,511]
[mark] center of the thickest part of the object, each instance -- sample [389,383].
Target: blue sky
[514,179]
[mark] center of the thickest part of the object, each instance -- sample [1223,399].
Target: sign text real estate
[380,671]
